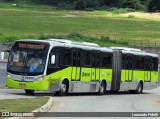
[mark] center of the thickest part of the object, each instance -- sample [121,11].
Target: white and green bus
[64,66]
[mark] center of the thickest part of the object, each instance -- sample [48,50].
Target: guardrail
[143,43]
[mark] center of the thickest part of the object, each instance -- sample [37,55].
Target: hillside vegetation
[42,21]
[145,5]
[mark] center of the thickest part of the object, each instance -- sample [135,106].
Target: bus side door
[129,67]
[76,56]
[154,68]
[95,66]
[147,67]
[86,66]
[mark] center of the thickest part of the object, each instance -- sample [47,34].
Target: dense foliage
[150,5]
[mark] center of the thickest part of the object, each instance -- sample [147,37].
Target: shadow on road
[76,94]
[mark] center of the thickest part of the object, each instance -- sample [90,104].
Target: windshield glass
[27,61]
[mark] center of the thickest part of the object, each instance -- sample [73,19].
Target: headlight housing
[9,76]
[39,78]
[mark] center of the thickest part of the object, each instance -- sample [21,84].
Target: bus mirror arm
[53,59]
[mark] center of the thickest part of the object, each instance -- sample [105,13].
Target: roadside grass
[22,105]
[27,22]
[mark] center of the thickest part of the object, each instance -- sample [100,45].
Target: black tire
[29,92]
[63,89]
[139,89]
[102,88]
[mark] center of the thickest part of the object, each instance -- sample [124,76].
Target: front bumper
[37,85]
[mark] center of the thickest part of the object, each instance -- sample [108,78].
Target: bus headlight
[39,78]
[9,76]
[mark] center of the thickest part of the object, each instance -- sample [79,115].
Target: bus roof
[51,41]
[134,51]
[74,44]
[91,46]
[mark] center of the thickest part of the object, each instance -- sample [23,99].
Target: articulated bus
[64,66]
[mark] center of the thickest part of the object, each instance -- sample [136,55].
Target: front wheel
[29,92]
[63,89]
[102,88]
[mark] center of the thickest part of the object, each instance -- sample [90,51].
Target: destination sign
[31,46]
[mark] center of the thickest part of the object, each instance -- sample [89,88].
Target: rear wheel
[139,89]
[63,89]
[29,92]
[102,88]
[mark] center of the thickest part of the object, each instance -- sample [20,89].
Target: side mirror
[53,59]
[1,56]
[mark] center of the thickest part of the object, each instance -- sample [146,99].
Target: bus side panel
[154,76]
[103,74]
[93,74]
[109,75]
[57,77]
[138,75]
[60,75]
[97,74]
[78,74]
[106,74]
[73,73]
[86,74]
[123,75]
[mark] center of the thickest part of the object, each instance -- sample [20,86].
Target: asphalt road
[149,101]
[2,74]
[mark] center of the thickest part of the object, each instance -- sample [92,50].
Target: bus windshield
[27,61]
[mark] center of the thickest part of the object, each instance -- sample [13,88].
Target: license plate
[22,85]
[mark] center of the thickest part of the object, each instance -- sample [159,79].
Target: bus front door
[76,55]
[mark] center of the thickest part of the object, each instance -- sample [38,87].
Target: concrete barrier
[1,56]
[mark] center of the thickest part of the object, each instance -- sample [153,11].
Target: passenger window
[106,60]
[95,59]
[147,63]
[140,62]
[155,64]
[123,62]
[76,57]
[87,58]
[66,57]
[98,60]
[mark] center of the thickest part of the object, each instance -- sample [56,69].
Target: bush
[131,16]
[66,6]
[89,9]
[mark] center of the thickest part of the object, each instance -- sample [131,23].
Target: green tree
[81,4]
[134,4]
[154,6]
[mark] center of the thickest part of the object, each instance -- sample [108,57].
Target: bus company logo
[85,74]
[5,114]
[29,78]
[104,73]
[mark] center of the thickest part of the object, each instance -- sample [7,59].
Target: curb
[45,108]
